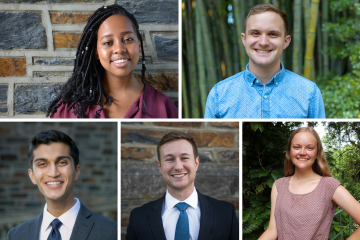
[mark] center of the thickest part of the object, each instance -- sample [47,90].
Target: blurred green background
[325,48]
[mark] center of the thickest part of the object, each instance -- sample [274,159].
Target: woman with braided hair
[103,84]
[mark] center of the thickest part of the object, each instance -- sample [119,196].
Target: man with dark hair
[54,167]
[182,213]
[265,89]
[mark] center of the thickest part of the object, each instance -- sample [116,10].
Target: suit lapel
[205,219]
[83,224]
[34,228]
[155,220]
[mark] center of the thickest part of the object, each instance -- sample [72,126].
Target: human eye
[107,43]
[128,39]
[169,159]
[41,164]
[255,33]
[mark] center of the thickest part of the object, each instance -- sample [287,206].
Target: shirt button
[265,96]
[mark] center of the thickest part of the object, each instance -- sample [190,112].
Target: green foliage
[264,146]
[341,92]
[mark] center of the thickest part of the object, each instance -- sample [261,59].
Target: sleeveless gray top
[305,216]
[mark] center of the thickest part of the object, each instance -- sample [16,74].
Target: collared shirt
[286,95]
[170,215]
[67,219]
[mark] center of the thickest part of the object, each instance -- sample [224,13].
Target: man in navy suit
[182,213]
[54,167]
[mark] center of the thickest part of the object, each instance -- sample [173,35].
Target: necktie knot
[182,206]
[55,233]
[56,223]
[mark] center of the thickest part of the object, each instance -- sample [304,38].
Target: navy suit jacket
[217,221]
[88,225]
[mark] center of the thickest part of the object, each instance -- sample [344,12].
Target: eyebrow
[111,35]
[171,155]
[274,31]
[58,158]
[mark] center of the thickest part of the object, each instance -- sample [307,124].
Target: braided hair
[84,87]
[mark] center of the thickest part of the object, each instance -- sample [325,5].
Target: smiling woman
[303,203]
[103,82]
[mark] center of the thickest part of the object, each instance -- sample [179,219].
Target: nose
[53,171]
[119,47]
[302,151]
[178,165]
[263,40]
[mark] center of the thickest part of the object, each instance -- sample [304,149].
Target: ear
[287,41]
[159,166]
[96,54]
[197,162]
[77,172]
[32,177]
[139,45]
[243,38]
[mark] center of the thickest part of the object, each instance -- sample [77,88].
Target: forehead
[266,21]
[176,147]
[115,24]
[304,137]
[51,151]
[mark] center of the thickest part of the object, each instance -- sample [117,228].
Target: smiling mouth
[179,175]
[303,159]
[121,60]
[262,51]
[53,183]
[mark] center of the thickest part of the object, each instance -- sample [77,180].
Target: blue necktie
[55,234]
[182,225]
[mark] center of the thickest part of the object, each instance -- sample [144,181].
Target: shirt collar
[67,219]
[192,200]
[278,77]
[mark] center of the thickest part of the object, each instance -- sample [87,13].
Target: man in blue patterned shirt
[265,89]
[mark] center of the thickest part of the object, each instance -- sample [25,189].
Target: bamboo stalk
[211,77]
[224,38]
[200,57]
[193,102]
[319,55]
[185,98]
[239,16]
[297,37]
[308,64]
[325,37]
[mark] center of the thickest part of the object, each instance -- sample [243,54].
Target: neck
[183,194]
[264,73]
[59,207]
[302,174]
[118,85]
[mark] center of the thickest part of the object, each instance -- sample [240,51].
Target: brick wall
[141,181]
[38,40]
[96,188]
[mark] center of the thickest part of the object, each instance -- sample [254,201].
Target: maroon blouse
[157,103]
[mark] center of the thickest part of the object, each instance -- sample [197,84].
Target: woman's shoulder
[331,181]
[159,101]
[63,111]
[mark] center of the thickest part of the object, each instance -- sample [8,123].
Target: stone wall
[141,181]
[20,199]
[38,40]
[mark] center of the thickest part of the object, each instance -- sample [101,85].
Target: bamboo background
[212,49]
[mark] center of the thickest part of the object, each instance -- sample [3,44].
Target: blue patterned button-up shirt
[286,95]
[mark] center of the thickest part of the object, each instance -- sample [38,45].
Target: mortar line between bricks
[10,99]
[49,29]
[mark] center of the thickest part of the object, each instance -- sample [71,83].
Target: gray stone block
[166,48]
[21,30]
[49,1]
[152,11]
[33,98]
[3,98]
[54,61]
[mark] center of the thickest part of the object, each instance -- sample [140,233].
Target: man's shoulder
[218,204]
[230,81]
[98,219]
[24,228]
[144,209]
[297,79]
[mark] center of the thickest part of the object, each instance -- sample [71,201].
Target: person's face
[118,47]
[265,39]
[303,150]
[178,165]
[54,172]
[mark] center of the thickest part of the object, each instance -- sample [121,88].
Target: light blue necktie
[182,225]
[55,233]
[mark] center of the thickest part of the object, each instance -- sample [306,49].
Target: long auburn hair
[84,87]
[320,165]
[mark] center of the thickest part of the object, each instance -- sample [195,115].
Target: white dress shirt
[170,215]
[67,219]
